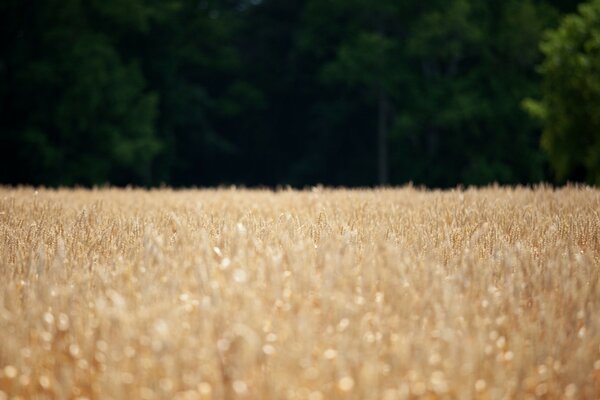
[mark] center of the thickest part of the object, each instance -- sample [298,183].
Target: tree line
[296,92]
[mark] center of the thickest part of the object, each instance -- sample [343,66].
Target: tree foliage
[209,92]
[570,105]
[73,109]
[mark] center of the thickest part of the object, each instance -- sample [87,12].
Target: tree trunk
[382,137]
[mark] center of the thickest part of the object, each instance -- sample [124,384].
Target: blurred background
[299,92]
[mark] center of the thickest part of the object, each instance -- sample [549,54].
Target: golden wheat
[322,294]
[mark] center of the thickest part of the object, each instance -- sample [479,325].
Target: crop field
[384,294]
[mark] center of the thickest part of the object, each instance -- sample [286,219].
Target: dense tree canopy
[209,92]
[570,106]
[73,108]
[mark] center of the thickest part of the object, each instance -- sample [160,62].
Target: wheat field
[318,294]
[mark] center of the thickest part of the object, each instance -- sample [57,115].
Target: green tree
[74,110]
[359,68]
[449,76]
[570,103]
[191,61]
[472,61]
[367,61]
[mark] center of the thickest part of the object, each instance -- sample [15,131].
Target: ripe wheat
[322,294]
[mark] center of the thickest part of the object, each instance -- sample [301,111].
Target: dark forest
[298,92]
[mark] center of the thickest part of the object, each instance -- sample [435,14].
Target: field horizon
[324,293]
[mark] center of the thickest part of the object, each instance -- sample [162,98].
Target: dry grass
[384,294]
